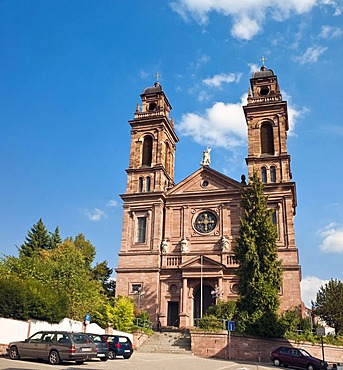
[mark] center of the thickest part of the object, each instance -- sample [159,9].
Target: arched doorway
[207,300]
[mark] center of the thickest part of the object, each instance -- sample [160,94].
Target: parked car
[296,357]
[102,346]
[55,347]
[119,345]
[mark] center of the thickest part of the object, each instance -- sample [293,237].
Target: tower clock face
[205,222]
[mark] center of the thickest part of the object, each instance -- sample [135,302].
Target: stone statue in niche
[184,245]
[164,247]
[225,244]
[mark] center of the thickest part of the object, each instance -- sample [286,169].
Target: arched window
[148,182]
[267,140]
[274,218]
[272,174]
[147,151]
[140,184]
[141,229]
[167,158]
[264,174]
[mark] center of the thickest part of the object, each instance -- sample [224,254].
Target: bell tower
[153,139]
[149,176]
[267,121]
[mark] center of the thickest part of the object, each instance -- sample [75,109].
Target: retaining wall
[254,349]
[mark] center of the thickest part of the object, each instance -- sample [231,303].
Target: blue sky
[71,73]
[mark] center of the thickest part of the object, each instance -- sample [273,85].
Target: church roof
[263,72]
[201,262]
[154,89]
[205,180]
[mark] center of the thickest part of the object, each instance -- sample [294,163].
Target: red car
[296,357]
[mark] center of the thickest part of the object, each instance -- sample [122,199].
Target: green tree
[55,238]
[329,304]
[68,274]
[24,299]
[223,310]
[37,239]
[86,248]
[124,315]
[13,302]
[103,273]
[259,271]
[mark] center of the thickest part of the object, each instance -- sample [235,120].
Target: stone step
[167,342]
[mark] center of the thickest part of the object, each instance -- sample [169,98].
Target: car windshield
[304,353]
[81,338]
[123,339]
[96,338]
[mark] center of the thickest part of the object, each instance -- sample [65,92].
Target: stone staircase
[167,342]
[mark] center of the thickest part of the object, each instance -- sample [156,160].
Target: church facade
[176,255]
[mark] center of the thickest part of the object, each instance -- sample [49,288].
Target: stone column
[183,314]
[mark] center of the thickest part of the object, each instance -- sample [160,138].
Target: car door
[296,358]
[43,347]
[29,348]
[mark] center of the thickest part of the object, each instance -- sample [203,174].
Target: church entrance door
[207,300]
[173,314]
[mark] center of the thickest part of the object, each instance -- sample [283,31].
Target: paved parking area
[139,361]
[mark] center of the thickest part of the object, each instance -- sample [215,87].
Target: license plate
[86,349]
[101,355]
[126,350]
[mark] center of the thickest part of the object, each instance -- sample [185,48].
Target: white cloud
[247,16]
[245,28]
[311,55]
[144,75]
[329,32]
[332,236]
[203,96]
[201,60]
[95,215]
[222,125]
[293,113]
[309,287]
[220,79]
[112,203]
[253,67]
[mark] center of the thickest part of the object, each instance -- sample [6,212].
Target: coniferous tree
[37,239]
[103,274]
[55,238]
[259,271]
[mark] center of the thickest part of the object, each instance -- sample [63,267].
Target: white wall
[13,330]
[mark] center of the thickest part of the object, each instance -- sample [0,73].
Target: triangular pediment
[205,180]
[201,262]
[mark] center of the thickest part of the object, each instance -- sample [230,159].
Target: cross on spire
[263,59]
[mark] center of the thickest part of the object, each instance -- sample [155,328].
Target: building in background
[176,256]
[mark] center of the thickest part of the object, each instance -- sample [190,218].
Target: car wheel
[276,362]
[111,355]
[13,353]
[54,358]
[79,362]
[103,359]
[311,367]
[127,357]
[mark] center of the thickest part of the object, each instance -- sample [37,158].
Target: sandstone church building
[176,256]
